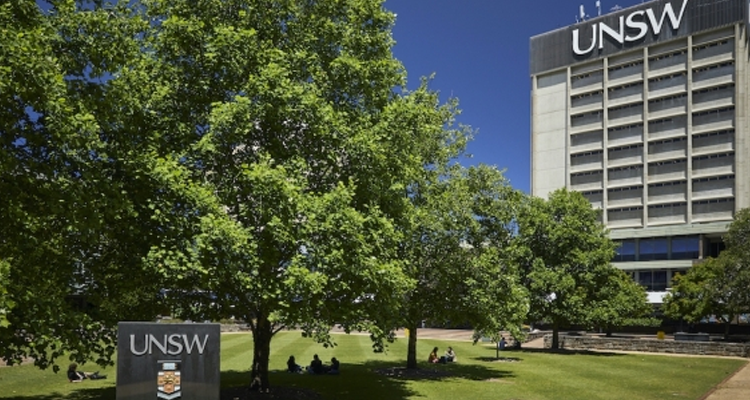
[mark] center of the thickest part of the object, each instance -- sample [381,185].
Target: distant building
[645,112]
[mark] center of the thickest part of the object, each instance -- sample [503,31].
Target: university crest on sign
[168,382]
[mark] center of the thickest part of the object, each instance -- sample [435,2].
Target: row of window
[656,280]
[668,77]
[634,109]
[668,248]
[665,248]
[658,57]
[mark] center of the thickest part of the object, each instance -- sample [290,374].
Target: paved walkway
[735,388]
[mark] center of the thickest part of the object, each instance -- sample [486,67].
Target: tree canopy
[620,301]
[245,158]
[75,218]
[717,286]
[564,254]
[455,250]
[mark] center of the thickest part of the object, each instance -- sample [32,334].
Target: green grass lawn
[525,375]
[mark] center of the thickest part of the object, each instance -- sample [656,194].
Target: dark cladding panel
[555,49]
[710,14]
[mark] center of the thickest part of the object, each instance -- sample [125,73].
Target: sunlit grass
[525,374]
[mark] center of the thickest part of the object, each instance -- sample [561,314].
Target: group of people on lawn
[316,366]
[450,356]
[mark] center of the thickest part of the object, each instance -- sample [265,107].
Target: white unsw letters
[171,344]
[636,22]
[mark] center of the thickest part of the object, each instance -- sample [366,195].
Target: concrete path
[442,334]
[735,388]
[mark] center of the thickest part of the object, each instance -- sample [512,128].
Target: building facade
[645,112]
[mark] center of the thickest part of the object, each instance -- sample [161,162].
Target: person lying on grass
[77,376]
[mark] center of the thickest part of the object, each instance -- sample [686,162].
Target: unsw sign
[174,344]
[631,28]
[167,361]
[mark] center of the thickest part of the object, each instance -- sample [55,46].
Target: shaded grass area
[520,374]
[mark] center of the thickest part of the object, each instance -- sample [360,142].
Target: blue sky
[479,51]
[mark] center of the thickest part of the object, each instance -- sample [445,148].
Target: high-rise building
[645,112]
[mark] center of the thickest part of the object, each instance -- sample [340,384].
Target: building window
[653,249]
[660,281]
[645,278]
[626,251]
[714,247]
[685,248]
[653,281]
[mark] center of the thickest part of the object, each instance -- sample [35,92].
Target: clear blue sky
[479,51]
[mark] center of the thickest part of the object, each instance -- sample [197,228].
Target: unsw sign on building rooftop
[632,28]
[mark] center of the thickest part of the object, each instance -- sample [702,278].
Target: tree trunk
[261,352]
[555,336]
[727,325]
[411,357]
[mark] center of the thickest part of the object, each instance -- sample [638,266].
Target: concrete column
[742,122]
[646,74]
[532,104]
[605,141]
[568,125]
[689,128]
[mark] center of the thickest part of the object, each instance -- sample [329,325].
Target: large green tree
[75,220]
[309,141]
[620,301]
[564,253]
[716,286]
[455,250]
[251,157]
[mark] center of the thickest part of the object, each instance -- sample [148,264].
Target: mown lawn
[523,375]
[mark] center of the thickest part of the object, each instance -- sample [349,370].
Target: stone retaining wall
[535,335]
[651,346]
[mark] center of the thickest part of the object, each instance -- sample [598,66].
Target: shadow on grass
[438,372]
[364,381]
[495,359]
[516,353]
[370,380]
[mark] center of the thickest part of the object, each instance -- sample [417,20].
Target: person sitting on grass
[450,355]
[292,366]
[316,366]
[433,358]
[77,376]
[334,368]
